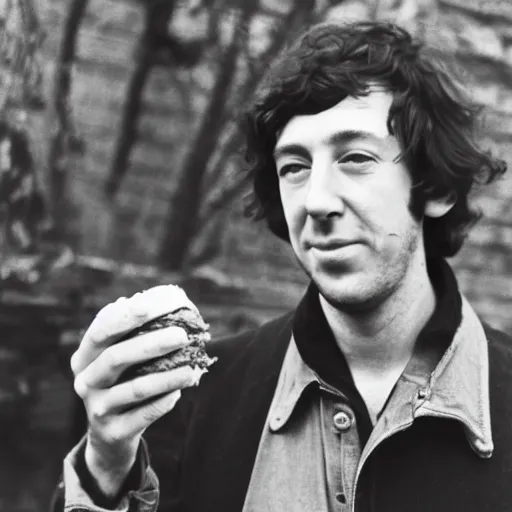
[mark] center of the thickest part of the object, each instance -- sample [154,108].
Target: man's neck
[378,344]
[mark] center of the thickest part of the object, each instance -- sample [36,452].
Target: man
[382,391]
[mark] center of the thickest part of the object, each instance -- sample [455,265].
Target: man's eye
[356,158]
[291,169]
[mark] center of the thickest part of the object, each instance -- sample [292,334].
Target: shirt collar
[296,376]
[453,339]
[318,348]
[459,385]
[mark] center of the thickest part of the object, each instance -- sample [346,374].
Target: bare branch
[184,206]
[59,145]
[296,18]
[157,18]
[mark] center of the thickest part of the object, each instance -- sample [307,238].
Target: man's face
[346,201]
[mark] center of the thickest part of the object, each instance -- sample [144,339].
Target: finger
[114,360]
[110,324]
[122,316]
[140,390]
[135,421]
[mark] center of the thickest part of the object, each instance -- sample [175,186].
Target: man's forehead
[363,114]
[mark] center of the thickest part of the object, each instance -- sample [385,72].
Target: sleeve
[77,491]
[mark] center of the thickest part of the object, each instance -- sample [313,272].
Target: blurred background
[120,169]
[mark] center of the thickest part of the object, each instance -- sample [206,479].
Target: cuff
[82,493]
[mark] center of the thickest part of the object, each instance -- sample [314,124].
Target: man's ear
[437,207]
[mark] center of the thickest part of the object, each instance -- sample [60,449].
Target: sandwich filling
[194,354]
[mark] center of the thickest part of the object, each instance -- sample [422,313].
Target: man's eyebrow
[291,149]
[342,137]
[346,136]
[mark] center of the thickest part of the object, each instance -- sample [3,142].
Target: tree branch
[296,18]
[184,206]
[158,15]
[59,145]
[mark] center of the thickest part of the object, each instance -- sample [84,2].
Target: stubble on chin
[368,293]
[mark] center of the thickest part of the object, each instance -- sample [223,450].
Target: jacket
[204,450]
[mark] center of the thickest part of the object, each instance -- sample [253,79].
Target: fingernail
[173,337]
[180,334]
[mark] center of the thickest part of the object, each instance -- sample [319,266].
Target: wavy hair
[432,117]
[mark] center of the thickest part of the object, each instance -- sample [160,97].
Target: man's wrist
[108,469]
[80,489]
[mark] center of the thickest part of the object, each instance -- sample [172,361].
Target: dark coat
[204,451]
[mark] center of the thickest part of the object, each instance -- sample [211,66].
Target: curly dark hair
[432,117]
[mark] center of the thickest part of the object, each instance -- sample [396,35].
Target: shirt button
[422,393]
[342,421]
[341,498]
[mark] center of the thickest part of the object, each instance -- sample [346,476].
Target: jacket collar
[457,388]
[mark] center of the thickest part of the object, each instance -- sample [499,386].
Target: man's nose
[323,199]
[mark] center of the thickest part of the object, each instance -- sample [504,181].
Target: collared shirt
[318,348]
[318,433]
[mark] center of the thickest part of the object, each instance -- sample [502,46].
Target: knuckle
[138,307]
[96,334]
[98,411]
[138,391]
[111,359]
[80,386]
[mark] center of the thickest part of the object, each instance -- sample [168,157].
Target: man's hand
[118,413]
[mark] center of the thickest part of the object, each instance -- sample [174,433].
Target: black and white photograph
[255,255]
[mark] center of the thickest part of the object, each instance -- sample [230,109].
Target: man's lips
[330,245]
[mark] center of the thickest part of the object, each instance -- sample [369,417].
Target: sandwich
[180,312]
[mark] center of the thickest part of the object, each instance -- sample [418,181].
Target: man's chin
[349,294]
[344,284]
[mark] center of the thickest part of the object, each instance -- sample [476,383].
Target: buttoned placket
[342,447]
[345,457]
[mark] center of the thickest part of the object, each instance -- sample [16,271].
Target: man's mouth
[330,245]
